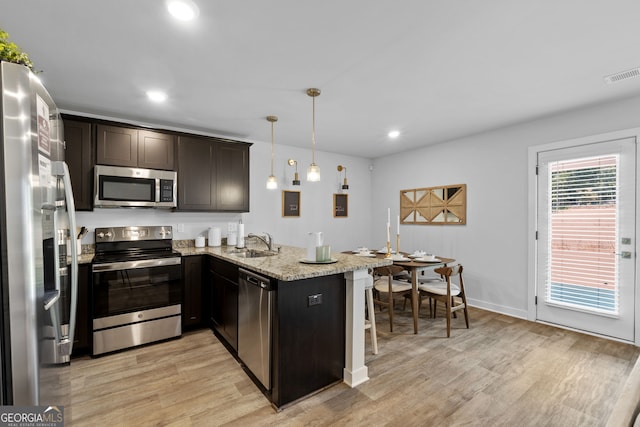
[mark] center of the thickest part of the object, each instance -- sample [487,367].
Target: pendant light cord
[313,132]
[272,148]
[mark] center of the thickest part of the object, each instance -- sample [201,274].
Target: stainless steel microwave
[133,187]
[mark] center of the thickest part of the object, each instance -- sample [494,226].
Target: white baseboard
[508,311]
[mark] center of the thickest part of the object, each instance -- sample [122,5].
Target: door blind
[582,270]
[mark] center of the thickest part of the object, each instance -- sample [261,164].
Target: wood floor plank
[502,371]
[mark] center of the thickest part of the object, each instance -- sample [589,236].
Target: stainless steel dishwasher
[255,304]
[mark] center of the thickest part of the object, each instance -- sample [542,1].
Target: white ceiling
[434,69]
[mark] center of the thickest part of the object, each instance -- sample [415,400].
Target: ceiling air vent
[623,75]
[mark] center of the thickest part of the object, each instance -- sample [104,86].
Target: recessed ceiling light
[394,134]
[184,10]
[156,95]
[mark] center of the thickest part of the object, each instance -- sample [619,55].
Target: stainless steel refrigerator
[38,286]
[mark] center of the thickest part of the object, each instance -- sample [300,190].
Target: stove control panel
[133,233]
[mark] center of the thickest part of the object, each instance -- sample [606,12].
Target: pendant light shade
[272,182]
[313,172]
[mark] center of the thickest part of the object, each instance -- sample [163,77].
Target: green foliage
[591,186]
[10,52]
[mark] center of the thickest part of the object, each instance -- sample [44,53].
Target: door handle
[624,254]
[65,344]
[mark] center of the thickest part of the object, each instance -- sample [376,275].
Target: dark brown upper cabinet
[156,150]
[121,146]
[79,155]
[213,175]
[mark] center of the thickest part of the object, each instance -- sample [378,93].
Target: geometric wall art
[445,205]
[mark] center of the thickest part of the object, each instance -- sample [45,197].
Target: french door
[585,272]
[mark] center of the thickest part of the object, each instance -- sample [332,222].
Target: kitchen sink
[250,253]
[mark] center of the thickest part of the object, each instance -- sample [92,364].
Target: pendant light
[272,182]
[313,172]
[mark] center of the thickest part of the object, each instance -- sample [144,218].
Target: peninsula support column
[355,371]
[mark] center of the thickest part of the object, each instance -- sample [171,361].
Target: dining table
[413,267]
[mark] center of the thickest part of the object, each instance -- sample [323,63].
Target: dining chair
[451,294]
[385,283]
[421,280]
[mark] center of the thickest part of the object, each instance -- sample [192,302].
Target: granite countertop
[286,265]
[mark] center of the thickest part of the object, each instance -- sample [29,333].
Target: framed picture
[444,205]
[290,203]
[340,205]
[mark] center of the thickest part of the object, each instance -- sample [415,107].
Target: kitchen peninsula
[318,308]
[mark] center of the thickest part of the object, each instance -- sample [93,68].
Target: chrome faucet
[267,239]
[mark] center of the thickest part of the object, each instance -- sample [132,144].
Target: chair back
[387,270]
[449,272]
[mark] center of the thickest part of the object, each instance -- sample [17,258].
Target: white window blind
[582,270]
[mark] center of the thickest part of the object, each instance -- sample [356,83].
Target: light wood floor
[501,372]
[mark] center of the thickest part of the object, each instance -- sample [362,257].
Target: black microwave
[133,187]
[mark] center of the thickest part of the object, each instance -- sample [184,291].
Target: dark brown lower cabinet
[308,329]
[223,294]
[308,340]
[192,301]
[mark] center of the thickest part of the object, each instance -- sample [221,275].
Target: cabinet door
[232,177]
[224,300]
[230,313]
[117,146]
[216,294]
[79,149]
[196,189]
[192,297]
[155,150]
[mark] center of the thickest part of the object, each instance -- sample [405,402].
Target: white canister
[231,238]
[215,238]
[199,241]
[314,240]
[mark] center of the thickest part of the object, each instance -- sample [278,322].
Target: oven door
[124,287]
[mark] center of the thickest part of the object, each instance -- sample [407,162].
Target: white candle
[388,228]
[388,217]
[398,225]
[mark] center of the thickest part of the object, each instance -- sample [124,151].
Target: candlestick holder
[388,249]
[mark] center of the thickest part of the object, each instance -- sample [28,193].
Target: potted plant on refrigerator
[10,52]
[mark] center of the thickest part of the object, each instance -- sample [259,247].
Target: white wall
[266,205]
[493,244]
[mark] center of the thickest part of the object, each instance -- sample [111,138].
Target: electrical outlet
[180,228]
[314,300]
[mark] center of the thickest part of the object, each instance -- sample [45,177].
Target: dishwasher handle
[254,279]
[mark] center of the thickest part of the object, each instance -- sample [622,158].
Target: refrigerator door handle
[50,298]
[65,344]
